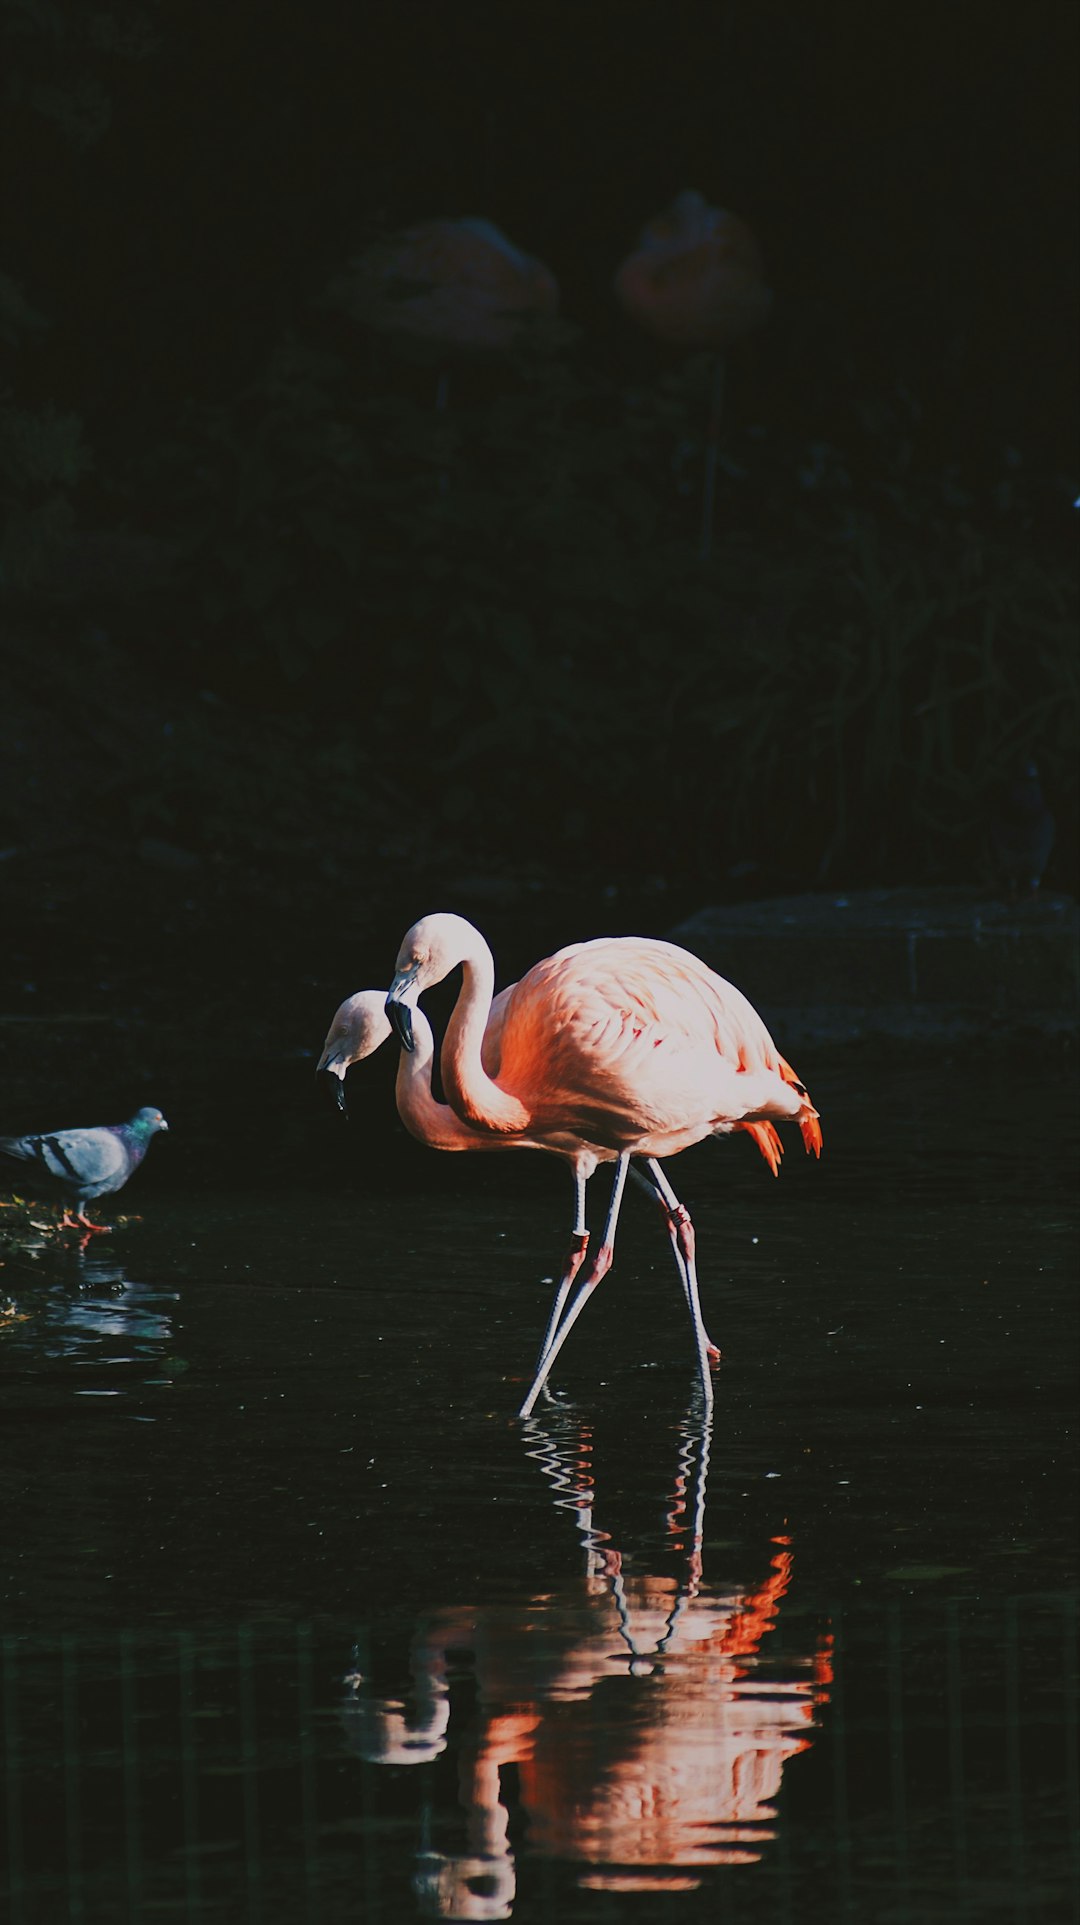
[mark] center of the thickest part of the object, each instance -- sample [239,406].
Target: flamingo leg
[579,1243]
[598,1269]
[575,1257]
[681,1231]
[668,1209]
[651,1189]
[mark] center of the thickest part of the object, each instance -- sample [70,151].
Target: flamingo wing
[632,1038]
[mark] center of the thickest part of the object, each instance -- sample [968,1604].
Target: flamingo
[695,279]
[460,283]
[624,1046]
[360,1026]
[695,276]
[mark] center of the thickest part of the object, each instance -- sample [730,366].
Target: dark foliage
[471,595]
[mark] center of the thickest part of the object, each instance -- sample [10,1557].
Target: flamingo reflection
[647,1720]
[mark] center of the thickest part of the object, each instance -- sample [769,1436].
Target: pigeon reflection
[648,1724]
[106,1316]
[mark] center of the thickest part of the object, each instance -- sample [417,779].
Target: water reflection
[87,1309]
[646,1717]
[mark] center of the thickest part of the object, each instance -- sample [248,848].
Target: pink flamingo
[460,283]
[695,276]
[695,279]
[361,1026]
[626,1046]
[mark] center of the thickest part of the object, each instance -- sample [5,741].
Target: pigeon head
[146,1122]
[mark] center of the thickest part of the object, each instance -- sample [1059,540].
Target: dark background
[275,620]
[291,656]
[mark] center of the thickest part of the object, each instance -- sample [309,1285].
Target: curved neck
[433,1123]
[471,1091]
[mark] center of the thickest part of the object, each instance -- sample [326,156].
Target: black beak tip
[338,1083]
[401,1023]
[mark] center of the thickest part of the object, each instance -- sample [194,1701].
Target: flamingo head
[430,950]
[359,1028]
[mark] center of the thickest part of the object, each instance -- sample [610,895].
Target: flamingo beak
[333,1066]
[398,1010]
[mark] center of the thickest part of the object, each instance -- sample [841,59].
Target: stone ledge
[918,963]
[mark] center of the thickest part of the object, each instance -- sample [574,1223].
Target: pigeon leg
[80,1221]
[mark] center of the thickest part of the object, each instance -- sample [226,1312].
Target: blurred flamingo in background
[360,1027]
[460,283]
[622,1046]
[695,277]
[696,280]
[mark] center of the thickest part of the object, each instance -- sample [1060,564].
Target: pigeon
[87,1163]
[1021,832]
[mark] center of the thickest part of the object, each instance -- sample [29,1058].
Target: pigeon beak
[398,1010]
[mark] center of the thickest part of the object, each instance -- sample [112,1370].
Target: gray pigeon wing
[92,1161]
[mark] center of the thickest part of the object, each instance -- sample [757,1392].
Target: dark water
[299,1623]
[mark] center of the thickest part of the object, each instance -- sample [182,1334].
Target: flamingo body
[624,1046]
[695,276]
[360,1026]
[458,282]
[635,1045]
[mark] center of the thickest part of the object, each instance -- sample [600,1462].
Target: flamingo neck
[473,1094]
[431,1122]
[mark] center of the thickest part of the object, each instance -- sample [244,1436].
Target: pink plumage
[625,1046]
